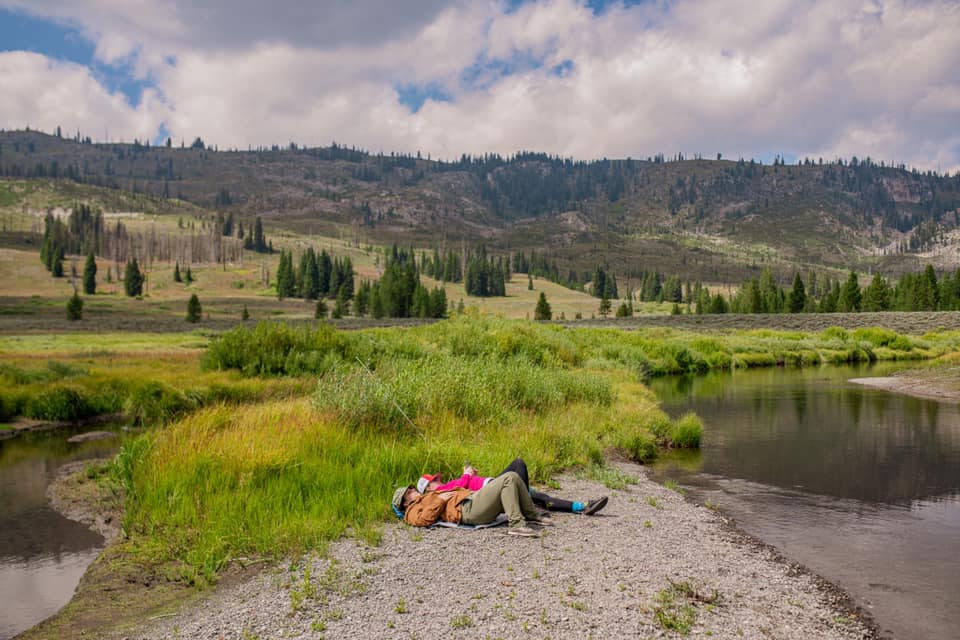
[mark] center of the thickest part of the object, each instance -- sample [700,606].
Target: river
[42,554]
[860,485]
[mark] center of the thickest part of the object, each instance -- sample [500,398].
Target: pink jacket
[466,481]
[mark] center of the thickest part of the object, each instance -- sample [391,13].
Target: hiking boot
[594,505]
[522,532]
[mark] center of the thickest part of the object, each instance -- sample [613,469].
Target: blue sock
[578,507]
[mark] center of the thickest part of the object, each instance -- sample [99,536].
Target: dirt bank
[939,383]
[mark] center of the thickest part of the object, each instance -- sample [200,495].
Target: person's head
[403,496]
[428,482]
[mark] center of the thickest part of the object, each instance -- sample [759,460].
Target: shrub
[685,432]
[60,403]
[154,402]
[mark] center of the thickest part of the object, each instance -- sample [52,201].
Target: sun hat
[398,498]
[426,479]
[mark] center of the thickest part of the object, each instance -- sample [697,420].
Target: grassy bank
[282,476]
[49,378]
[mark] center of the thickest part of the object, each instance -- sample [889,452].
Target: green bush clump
[10,405]
[879,337]
[153,402]
[835,333]
[686,431]
[60,403]
[481,389]
[640,447]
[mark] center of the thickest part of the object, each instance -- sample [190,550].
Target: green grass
[283,475]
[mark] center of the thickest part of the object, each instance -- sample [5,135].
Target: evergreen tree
[75,307]
[188,278]
[623,311]
[850,298]
[797,300]
[320,312]
[244,315]
[718,304]
[90,275]
[176,272]
[438,303]
[604,305]
[361,300]
[876,297]
[529,282]
[542,312]
[132,279]
[193,309]
[286,284]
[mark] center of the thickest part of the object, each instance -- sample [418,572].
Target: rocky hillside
[716,220]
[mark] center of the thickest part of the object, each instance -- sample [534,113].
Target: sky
[576,78]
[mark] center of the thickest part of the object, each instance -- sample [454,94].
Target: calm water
[42,554]
[860,485]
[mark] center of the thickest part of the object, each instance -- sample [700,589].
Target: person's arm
[424,512]
[463,482]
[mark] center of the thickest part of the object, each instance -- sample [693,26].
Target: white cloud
[823,78]
[44,94]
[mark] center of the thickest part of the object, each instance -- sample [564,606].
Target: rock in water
[91,435]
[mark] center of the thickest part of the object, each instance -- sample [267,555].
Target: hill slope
[718,221]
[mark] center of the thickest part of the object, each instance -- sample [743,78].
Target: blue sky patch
[413,96]
[22,32]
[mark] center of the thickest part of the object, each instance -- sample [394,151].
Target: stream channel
[860,485]
[42,554]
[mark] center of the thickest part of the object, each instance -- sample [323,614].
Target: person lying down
[506,493]
[473,481]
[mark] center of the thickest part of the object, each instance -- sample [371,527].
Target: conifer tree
[850,298]
[244,315]
[188,278]
[194,310]
[90,275]
[797,299]
[320,312]
[75,307]
[542,312]
[876,297]
[286,286]
[132,279]
[604,305]
[176,272]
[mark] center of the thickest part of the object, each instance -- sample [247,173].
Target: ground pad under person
[501,519]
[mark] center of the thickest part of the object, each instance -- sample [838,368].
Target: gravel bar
[650,565]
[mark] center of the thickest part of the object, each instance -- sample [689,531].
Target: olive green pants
[504,494]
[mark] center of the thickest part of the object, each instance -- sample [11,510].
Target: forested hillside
[713,220]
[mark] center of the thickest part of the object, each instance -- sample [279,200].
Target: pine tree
[176,272]
[320,312]
[75,307]
[797,299]
[286,286]
[542,312]
[529,282]
[132,279]
[188,278]
[850,298]
[193,309]
[90,275]
[244,315]
[876,297]
[604,305]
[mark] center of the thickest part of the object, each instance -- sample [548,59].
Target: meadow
[272,439]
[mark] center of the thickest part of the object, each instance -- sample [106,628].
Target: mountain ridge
[715,220]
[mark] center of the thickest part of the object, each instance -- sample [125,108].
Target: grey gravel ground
[649,560]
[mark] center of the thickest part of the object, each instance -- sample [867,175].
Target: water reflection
[859,484]
[812,430]
[42,554]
